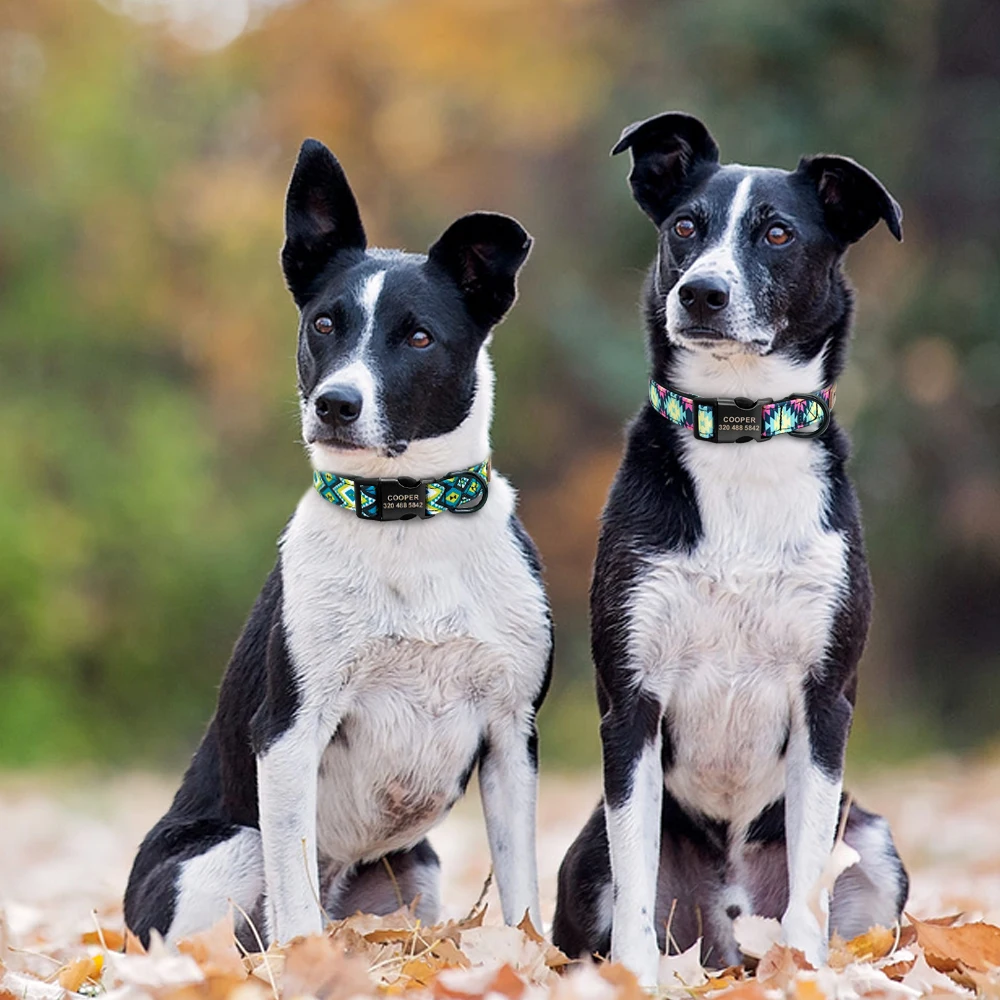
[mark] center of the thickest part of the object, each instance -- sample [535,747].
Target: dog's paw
[640,953]
[801,930]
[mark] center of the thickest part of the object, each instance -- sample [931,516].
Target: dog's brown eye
[420,338]
[778,235]
[323,324]
[685,228]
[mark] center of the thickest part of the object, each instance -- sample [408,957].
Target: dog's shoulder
[652,506]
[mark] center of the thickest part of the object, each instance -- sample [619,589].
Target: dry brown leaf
[215,950]
[554,958]
[779,967]
[107,938]
[716,983]
[908,935]
[975,946]
[420,971]
[71,977]
[897,970]
[623,979]
[986,984]
[508,983]
[808,989]
[746,990]
[874,944]
[315,966]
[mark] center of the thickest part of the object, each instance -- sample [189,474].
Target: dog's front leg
[814,781]
[287,777]
[508,785]
[631,737]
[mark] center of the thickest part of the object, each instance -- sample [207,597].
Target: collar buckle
[395,499]
[734,420]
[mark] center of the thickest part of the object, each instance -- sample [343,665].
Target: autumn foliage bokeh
[148,454]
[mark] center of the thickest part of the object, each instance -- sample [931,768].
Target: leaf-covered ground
[66,845]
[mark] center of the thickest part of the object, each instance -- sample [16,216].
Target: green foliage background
[148,454]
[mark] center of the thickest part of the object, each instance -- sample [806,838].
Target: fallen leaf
[28,988]
[316,967]
[808,989]
[618,976]
[71,977]
[779,967]
[685,968]
[925,979]
[871,946]
[975,946]
[464,984]
[158,967]
[108,938]
[756,935]
[908,935]
[215,950]
[508,983]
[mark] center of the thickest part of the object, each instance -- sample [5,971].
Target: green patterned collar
[738,420]
[400,499]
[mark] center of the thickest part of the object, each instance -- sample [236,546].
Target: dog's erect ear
[321,218]
[668,153]
[853,198]
[482,253]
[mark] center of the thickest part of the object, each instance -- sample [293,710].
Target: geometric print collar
[733,421]
[401,499]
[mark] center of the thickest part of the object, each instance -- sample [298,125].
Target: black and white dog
[382,662]
[731,595]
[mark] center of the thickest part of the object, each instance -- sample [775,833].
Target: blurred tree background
[148,433]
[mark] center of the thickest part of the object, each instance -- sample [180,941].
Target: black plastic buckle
[396,499]
[734,420]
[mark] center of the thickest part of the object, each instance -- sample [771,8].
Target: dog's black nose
[707,294]
[340,404]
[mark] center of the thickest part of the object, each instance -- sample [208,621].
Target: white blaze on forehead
[737,209]
[720,257]
[367,299]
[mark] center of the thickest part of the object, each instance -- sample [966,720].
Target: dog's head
[749,257]
[389,342]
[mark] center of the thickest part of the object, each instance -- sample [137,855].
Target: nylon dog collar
[732,421]
[401,499]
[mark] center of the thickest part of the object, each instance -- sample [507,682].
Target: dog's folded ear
[482,254]
[669,153]
[321,218]
[853,198]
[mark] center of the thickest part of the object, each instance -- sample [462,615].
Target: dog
[383,662]
[731,595]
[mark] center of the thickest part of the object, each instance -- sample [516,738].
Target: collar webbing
[400,499]
[736,420]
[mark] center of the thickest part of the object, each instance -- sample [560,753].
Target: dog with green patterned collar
[383,662]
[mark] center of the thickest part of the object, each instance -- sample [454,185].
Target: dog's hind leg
[187,875]
[401,878]
[874,890]
[582,923]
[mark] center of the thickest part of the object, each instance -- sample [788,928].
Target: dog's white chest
[419,636]
[416,715]
[727,633]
